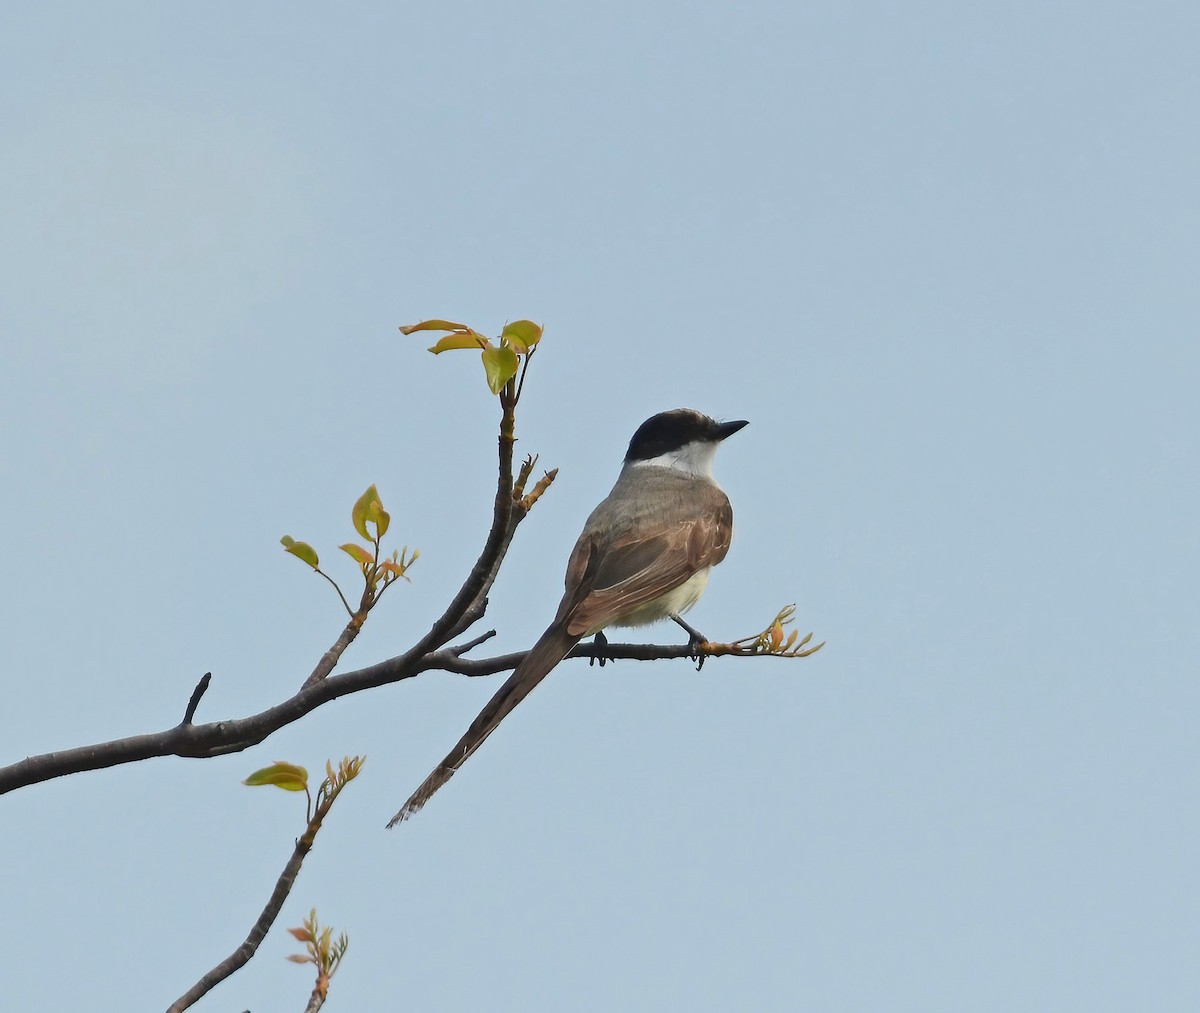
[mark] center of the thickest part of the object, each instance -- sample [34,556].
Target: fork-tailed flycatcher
[644,555]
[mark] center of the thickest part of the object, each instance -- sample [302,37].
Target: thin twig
[194,702]
[468,604]
[535,494]
[349,610]
[470,645]
[523,477]
[331,657]
[241,956]
[506,515]
[524,370]
[326,795]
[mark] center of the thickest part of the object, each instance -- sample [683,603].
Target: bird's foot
[695,640]
[599,649]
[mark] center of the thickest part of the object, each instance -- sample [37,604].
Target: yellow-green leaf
[362,511]
[301,550]
[501,365]
[434,325]
[395,569]
[472,339]
[522,334]
[287,776]
[382,519]
[357,553]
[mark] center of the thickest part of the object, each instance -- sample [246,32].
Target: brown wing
[627,569]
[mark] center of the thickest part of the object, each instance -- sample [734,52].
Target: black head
[667,432]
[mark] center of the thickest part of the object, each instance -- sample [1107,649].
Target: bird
[644,555]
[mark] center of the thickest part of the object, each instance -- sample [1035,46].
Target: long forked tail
[553,646]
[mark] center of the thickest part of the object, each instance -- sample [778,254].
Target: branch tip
[470,645]
[536,493]
[523,476]
[194,702]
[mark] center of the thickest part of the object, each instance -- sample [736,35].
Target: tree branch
[217,738]
[331,657]
[320,687]
[241,956]
[258,931]
[235,735]
[471,599]
[470,603]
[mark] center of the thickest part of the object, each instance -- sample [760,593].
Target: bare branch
[235,735]
[470,645]
[258,932]
[506,515]
[470,603]
[194,702]
[241,956]
[331,657]
[523,476]
[536,493]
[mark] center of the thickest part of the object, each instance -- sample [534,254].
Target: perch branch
[235,735]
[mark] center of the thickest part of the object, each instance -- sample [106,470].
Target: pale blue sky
[943,256]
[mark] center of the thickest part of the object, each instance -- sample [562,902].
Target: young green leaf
[287,776]
[472,339]
[362,511]
[501,365]
[395,569]
[434,325]
[357,553]
[522,334]
[301,550]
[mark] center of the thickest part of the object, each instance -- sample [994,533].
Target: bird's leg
[695,639]
[599,647]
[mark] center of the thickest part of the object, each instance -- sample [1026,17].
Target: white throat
[693,458]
